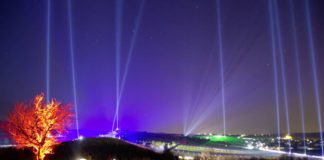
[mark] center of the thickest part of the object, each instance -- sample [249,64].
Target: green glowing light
[221,139]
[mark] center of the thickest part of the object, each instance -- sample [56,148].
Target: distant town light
[188,158]
[81,138]
[288,137]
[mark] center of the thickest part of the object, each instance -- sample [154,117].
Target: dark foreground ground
[111,149]
[91,149]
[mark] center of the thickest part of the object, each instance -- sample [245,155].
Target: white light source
[81,138]
[249,146]
[188,158]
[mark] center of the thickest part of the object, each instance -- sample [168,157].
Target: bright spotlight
[81,138]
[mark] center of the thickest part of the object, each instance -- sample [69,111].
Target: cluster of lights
[255,145]
[250,144]
[186,157]
[295,154]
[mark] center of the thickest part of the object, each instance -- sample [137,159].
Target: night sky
[173,79]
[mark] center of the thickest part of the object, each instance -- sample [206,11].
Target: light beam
[220,45]
[283,68]
[314,71]
[131,49]
[72,53]
[48,50]
[275,69]
[118,36]
[297,62]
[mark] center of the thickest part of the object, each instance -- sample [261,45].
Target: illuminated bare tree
[37,125]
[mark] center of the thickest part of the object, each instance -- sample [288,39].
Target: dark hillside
[91,149]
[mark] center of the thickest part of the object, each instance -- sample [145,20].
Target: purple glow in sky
[173,79]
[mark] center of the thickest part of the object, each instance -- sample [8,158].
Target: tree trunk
[38,156]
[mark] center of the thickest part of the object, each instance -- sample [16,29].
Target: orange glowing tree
[37,125]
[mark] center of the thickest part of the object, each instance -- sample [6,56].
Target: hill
[90,149]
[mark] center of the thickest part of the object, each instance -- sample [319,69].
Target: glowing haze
[173,81]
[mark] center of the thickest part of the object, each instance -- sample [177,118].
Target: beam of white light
[314,70]
[48,50]
[275,69]
[118,36]
[220,46]
[298,70]
[282,66]
[72,53]
[121,84]
[131,49]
